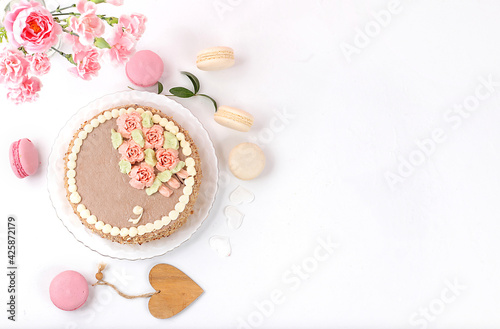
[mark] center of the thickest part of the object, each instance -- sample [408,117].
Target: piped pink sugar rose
[39,63]
[142,176]
[166,159]
[31,26]
[131,151]
[153,137]
[128,122]
[13,67]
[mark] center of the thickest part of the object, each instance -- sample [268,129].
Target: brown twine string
[100,282]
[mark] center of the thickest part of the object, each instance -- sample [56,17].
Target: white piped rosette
[58,168]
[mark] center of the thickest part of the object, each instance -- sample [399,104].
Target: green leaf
[138,137]
[110,20]
[178,167]
[154,188]
[170,141]
[194,81]
[164,176]
[160,87]
[125,166]
[150,157]
[147,120]
[181,92]
[70,58]
[3,34]
[116,139]
[210,98]
[101,43]
[23,50]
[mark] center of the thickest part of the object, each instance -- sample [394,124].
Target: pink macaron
[145,68]
[23,158]
[69,290]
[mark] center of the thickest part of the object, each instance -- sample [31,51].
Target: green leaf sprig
[186,93]
[3,34]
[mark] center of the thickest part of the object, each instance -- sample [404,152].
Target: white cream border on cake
[75,197]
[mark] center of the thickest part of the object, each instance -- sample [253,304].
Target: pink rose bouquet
[32,30]
[144,158]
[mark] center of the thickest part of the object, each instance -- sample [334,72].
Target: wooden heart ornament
[175,291]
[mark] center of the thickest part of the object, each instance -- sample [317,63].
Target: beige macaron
[246,161]
[215,58]
[234,118]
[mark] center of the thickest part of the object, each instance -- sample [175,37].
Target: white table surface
[337,113]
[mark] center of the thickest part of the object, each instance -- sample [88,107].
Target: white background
[351,120]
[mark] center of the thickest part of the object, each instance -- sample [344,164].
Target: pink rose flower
[115,2]
[88,26]
[128,122]
[133,24]
[26,91]
[141,176]
[87,64]
[84,6]
[166,159]
[31,26]
[13,67]
[39,63]
[131,151]
[153,136]
[122,45]
[75,42]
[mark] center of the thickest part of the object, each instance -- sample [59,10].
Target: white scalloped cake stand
[206,197]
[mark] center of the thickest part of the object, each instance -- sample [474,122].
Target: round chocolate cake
[132,174]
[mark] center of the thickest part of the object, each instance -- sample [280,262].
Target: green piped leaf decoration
[178,167]
[154,188]
[147,120]
[138,137]
[150,157]
[116,138]
[125,166]
[164,176]
[170,141]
